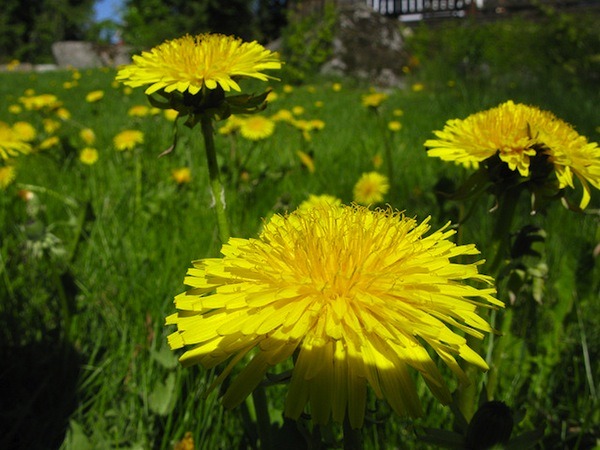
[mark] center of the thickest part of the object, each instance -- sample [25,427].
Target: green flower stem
[138,180]
[467,395]
[352,437]
[263,420]
[216,186]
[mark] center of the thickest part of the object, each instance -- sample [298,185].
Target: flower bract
[356,296]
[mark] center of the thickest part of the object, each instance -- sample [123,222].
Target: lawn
[92,255]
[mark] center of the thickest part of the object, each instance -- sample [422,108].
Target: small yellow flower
[257,127]
[128,140]
[138,111]
[271,97]
[288,88]
[417,87]
[374,99]
[337,87]
[15,109]
[298,110]
[191,63]
[319,104]
[7,176]
[88,156]
[13,65]
[231,125]
[306,160]
[377,161]
[283,115]
[370,188]
[170,114]
[88,136]
[63,113]
[24,131]
[394,125]
[187,443]
[183,175]
[51,125]
[94,96]
[50,142]
[316,201]
[398,112]
[40,102]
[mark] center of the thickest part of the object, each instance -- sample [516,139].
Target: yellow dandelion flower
[370,188]
[315,201]
[337,87]
[63,113]
[187,443]
[24,131]
[7,176]
[374,99]
[418,87]
[127,90]
[231,125]
[50,142]
[50,125]
[40,102]
[377,161]
[94,96]
[398,112]
[69,84]
[306,160]
[183,175]
[394,125]
[357,296]
[138,111]
[13,65]
[76,75]
[257,127]
[283,115]
[319,104]
[11,144]
[128,140]
[15,109]
[271,96]
[170,114]
[517,134]
[88,156]
[288,88]
[298,110]
[88,136]
[191,63]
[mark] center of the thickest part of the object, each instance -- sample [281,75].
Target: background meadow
[91,256]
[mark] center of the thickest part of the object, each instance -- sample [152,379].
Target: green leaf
[162,400]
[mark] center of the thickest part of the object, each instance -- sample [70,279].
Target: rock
[77,54]
[367,45]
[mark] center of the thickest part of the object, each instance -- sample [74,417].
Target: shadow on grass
[38,382]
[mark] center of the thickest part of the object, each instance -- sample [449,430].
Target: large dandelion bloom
[518,134]
[190,63]
[356,295]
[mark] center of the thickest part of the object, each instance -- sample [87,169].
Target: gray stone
[77,54]
[367,45]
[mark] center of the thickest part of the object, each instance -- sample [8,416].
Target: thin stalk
[467,395]
[217,189]
[352,437]
[138,180]
[263,420]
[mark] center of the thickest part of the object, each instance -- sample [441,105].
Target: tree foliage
[150,22]
[29,27]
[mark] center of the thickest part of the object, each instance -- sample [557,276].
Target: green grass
[116,268]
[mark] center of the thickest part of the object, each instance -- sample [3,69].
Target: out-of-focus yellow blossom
[15,109]
[51,125]
[182,175]
[25,131]
[7,176]
[138,111]
[50,142]
[170,114]
[257,127]
[88,156]
[394,125]
[306,160]
[128,140]
[94,96]
[370,188]
[88,136]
